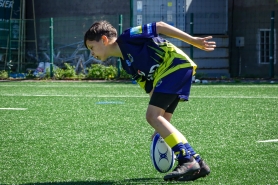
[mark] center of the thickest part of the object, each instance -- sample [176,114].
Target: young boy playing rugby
[162,70]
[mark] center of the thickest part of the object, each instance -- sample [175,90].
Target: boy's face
[98,49]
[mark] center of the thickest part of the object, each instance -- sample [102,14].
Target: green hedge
[3,75]
[94,72]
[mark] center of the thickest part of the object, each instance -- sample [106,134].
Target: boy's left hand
[203,43]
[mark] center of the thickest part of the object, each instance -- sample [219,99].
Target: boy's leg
[156,109]
[205,170]
[168,115]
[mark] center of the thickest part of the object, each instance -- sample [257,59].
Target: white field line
[235,86]
[268,141]
[93,85]
[235,97]
[135,96]
[73,95]
[72,86]
[13,108]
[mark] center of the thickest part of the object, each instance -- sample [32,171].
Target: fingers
[209,45]
[204,44]
[208,37]
[208,49]
[209,42]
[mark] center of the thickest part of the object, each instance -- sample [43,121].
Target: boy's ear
[104,39]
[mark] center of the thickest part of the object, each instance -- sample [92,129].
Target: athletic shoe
[204,171]
[182,169]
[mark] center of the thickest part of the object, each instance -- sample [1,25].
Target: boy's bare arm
[199,42]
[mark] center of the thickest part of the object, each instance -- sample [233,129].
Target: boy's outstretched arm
[171,31]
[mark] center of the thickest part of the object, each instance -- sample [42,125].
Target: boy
[163,71]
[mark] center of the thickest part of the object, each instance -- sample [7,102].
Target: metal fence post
[120,24]
[51,46]
[191,33]
[131,13]
[10,51]
[120,32]
[271,48]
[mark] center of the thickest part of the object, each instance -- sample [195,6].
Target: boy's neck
[115,49]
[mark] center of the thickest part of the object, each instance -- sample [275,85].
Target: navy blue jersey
[149,57]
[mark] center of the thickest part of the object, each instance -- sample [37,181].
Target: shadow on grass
[104,182]
[74,183]
[143,181]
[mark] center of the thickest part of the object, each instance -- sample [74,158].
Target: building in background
[240,28]
[197,17]
[9,10]
[249,33]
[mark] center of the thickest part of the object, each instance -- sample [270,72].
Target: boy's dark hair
[98,29]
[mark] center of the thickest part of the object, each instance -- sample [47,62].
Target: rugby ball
[162,156]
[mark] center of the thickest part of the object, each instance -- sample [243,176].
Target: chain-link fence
[242,31]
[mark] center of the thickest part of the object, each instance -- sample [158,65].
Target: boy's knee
[151,117]
[153,114]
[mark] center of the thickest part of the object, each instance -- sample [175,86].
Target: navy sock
[181,152]
[192,152]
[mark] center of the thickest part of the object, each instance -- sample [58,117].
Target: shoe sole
[194,178]
[176,177]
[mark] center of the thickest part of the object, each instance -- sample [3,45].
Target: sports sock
[189,148]
[174,141]
[192,152]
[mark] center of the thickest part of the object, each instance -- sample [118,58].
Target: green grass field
[95,133]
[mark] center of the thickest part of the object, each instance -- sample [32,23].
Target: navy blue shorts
[178,83]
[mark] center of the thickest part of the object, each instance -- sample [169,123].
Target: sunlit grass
[96,133]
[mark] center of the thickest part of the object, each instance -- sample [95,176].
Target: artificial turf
[96,133]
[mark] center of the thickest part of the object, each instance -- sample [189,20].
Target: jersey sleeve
[142,31]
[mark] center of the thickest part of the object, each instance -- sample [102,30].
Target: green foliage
[223,78]
[68,72]
[47,73]
[124,75]
[110,72]
[30,75]
[4,75]
[237,80]
[98,71]
[80,76]
[59,74]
